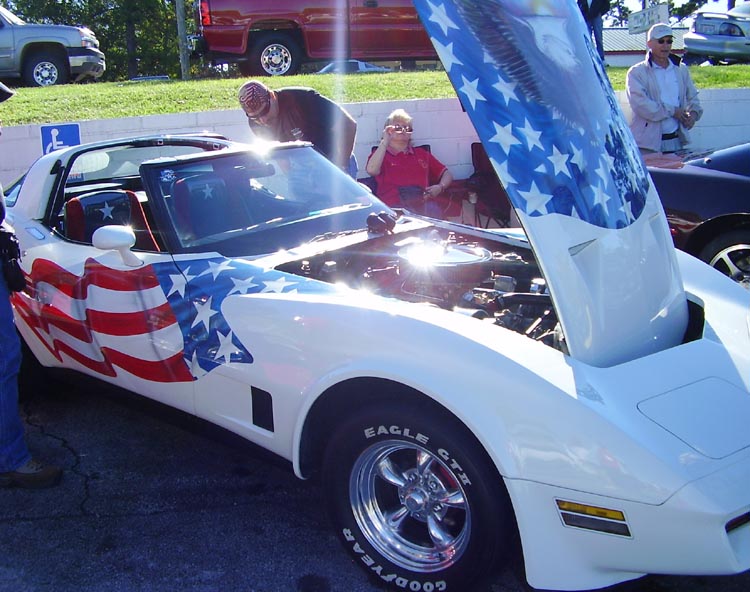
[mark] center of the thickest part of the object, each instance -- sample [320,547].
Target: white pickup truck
[43,55]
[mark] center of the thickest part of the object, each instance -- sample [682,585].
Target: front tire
[415,499]
[45,68]
[275,54]
[730,254]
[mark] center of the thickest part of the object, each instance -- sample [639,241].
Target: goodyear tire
[45,68]
[275,54]
[415,500]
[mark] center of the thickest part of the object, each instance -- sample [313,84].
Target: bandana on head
[255,98]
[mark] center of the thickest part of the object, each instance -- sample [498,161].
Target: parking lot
[153,500]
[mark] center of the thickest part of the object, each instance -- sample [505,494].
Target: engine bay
[457,270]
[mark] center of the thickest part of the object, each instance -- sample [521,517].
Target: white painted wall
[438,122]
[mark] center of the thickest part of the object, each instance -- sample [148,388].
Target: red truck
[275,37]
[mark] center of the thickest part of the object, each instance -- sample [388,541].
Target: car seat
[88,212]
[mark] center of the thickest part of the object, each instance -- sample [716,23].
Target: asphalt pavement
[154,500]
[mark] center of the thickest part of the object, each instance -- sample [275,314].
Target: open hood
[528,77]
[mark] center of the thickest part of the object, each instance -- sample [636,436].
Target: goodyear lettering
[453,464]
[401,582]
[395,430]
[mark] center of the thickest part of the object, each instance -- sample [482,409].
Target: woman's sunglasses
[407,129]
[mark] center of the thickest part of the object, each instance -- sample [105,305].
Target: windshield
[245,203]
[10,17]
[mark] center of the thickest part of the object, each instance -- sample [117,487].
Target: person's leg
[13,450]
[597,29]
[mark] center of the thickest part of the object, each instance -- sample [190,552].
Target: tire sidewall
[486,496]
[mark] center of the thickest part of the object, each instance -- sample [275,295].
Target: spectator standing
[662,96]
[298,113]
[17,468]
[593,13]
[407,176]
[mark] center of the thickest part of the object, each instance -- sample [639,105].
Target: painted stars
[106,211]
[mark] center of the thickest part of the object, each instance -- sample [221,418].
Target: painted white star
[627,209]
[578,159]
[215,269]
[226,347]
[242,286]
[179,282]
[203,313]
[503,172]
[106,211]
[470,90]
[208,192]
[445,53]
[602,172]
[559,162]
[441,17]
[507,89]
[488,59]
[536,201]
[504,136]
[532,135]
[600,198]
[277,285]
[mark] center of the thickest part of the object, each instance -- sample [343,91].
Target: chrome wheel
[410,506]
[276,59]
[734,261]
[45,74]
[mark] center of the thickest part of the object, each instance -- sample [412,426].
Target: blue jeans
[13,450]
[596,27]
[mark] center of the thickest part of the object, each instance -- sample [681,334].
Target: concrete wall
[438,122]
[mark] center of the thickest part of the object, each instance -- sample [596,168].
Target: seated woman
[407,176]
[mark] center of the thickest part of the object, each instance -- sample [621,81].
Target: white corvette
[455,390]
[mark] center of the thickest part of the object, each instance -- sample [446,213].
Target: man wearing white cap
[662,96]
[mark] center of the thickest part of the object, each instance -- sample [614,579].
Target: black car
[707,201]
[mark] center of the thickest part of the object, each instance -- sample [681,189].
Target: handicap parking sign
[61,135]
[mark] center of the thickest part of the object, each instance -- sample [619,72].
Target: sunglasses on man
[664,40]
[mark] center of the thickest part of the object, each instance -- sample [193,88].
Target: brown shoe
[32,475]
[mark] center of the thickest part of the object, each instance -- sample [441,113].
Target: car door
[557,138]
[6,46]
[99,307]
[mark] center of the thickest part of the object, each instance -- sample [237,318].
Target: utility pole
[182,40]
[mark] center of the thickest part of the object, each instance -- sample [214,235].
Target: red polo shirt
[415,166]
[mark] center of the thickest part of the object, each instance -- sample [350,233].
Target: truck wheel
[274,54]
[730,254]
[414,498]
[45,68]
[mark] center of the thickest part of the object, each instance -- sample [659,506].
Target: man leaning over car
[662,96]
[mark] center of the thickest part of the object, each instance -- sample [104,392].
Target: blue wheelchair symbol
[55,137]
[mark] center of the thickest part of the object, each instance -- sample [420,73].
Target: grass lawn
[111,100]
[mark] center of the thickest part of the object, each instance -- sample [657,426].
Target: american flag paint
[159,322]
[537,94]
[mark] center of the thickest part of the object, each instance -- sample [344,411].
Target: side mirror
[117,238]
